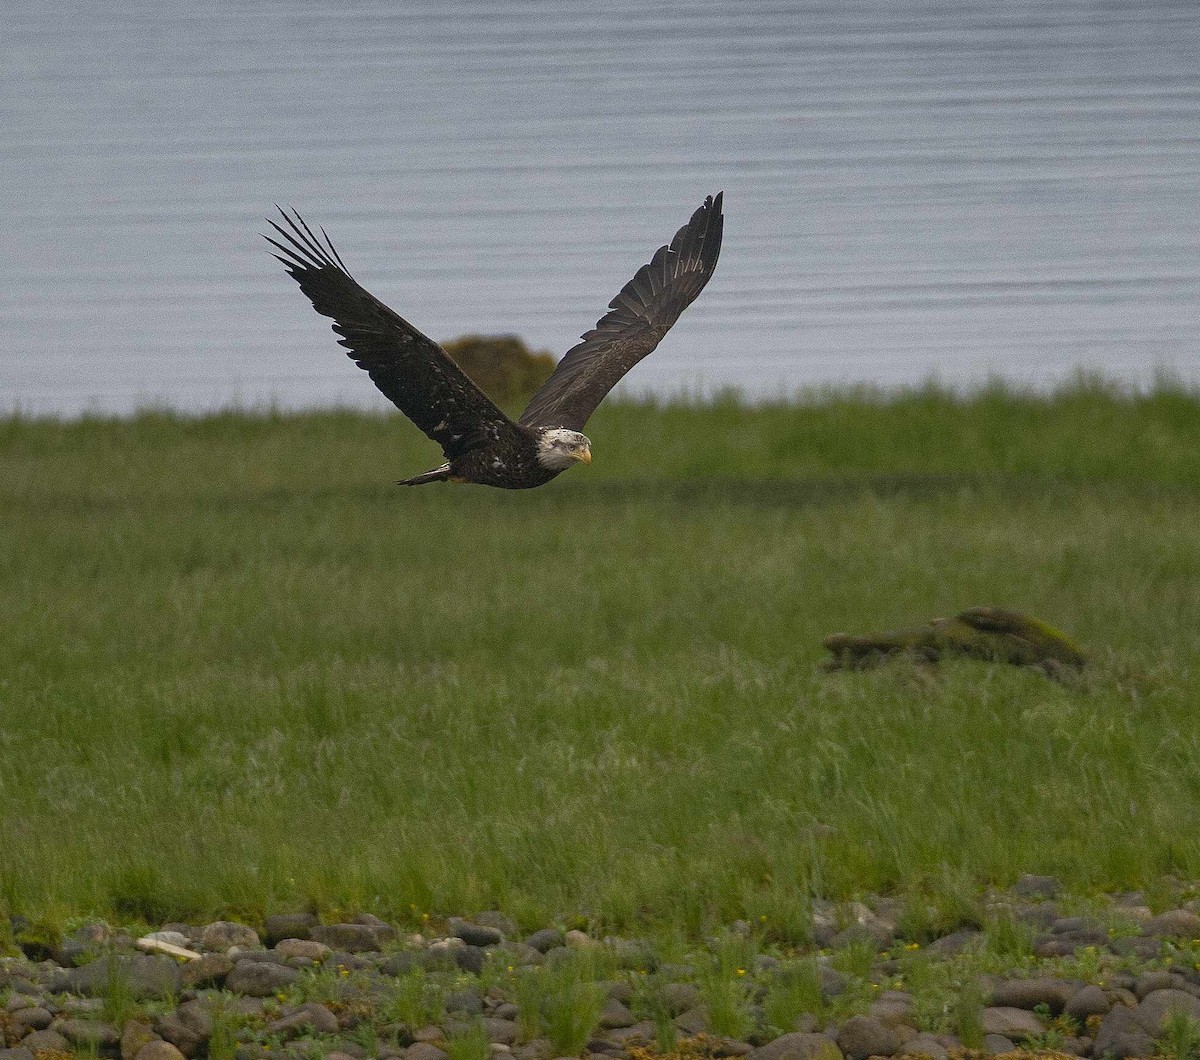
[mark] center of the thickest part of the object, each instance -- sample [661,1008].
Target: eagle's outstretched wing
[412,370]
[637,320]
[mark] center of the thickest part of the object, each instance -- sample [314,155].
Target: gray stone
[209,970]
[46,1041]
[862,1036]
[134,1036]
[495,919]
[1037,887]
[1121,1036]
[303,948]
[831,982]
[1014,1023]
[467,1002]
[955,942]
[258,979]
[18,1053]
[146,977]
[280,926]
[1088,1001]
[1156,979]
[680,997]
[545,940]
[470,958]
[1029,993]
[519,954]
[424,1051]
[616,1014]
[399,964]
[383,930]
[924,1045]
[188,1028]
[308,1018]
[1176,923]
[996,1044]
[222,935]
[502,1032]
[631,954]
[88,1033]
[1144,947]
[1155,1006]
[892,1008]
[694,1020]
[727,1047]
[353,938]
[159,1050]
[640,1032]
[35,1017]
[475,934]
[798,1046]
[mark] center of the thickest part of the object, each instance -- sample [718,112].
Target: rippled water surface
[912,188]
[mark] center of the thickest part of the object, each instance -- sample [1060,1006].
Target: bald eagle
[481,443]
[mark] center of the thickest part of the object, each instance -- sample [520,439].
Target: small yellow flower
[912,946]
[763,918]
[741,971]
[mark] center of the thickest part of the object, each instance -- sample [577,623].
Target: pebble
[1014,1023]
[863,1036]
[258,979]
[475,934]
[353,938]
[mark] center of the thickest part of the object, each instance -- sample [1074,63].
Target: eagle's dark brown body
[481,443]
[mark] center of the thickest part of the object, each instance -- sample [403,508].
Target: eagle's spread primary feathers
[481,443]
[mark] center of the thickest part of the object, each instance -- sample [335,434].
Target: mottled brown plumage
[481,443]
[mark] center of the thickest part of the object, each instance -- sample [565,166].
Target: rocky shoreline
[1030,975]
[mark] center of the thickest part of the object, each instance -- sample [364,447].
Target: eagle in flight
[481,443]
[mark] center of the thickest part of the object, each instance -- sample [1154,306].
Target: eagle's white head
[558,448]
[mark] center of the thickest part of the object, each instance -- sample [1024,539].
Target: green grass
[240,671]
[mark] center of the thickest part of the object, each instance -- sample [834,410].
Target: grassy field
[241,671]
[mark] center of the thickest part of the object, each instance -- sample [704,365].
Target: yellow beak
[586,456]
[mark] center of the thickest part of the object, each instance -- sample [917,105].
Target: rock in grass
[47,1041]
[545,940]
[616,1014]
[425,1051]
[222,935]
[1156,1005]
[134,1036]
[501,1032]
[145,977]
[1088,1001]
[88,1034]
[280,926]
[863,1036]
[1014,1023]
[798,1046]
[257,979]
[924,1045]
[1029,993]
[209,970]
[1176,923]
[19,1053]
[475,934]
[311,1018]
[997,1045]
[1039,887]
[35,1018]
[1122,1036]
[1155,979]
[159,1050]
[470,958]
[188,1028]
[307,949]
[353,938]
[465,1002]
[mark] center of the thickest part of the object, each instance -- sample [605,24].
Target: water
[946,188]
